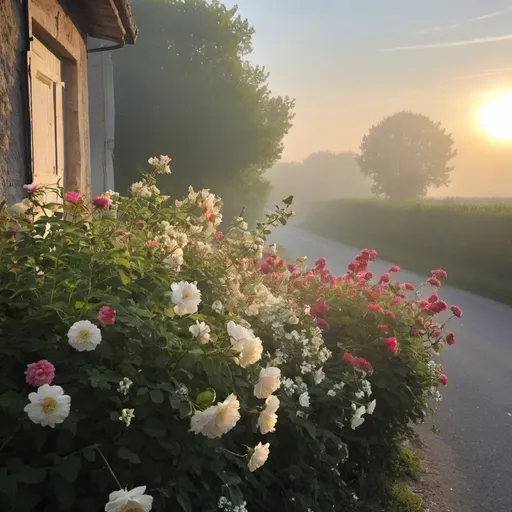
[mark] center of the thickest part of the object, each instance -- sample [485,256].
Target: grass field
[471,240]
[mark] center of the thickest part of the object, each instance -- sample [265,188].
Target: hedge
[472,242]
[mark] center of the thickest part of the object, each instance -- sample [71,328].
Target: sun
[494,117]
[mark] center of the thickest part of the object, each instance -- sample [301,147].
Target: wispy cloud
[488,72]
[442,28]
[451,44]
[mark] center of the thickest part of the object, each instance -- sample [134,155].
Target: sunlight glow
[494,117]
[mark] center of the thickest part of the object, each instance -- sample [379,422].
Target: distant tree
[322,176]
[186,89]
[406,154]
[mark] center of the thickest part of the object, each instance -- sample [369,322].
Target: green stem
[233,453]
[2,446]
[109,468]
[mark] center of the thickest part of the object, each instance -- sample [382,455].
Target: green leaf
[30,475]
[288,201]
[157,397]
[64,492]
[125,278]
[230,478]
[70,467]
[183,500]
[89,454]
[8,486]
[126,454]
[206,398]
[169,312]
[142,391]
[154,427]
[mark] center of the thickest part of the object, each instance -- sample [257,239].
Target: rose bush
[149,361]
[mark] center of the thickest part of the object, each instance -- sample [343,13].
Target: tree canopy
[186,89]
[406,154]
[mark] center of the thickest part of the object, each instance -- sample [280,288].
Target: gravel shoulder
[441,482]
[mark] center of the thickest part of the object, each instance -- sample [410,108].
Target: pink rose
[102,202]
[450,338]
[392,344]
[443,379]
[31,188]
[40,373]
[456,311]
[439,274]
[73,197]
[107,315]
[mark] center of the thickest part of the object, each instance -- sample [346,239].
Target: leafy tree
[405,154]
[186,89]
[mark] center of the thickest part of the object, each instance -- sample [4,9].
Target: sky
[350,63]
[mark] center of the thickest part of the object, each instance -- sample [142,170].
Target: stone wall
[14,169]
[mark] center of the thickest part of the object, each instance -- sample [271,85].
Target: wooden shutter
[47,115]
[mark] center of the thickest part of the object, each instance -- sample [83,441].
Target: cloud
[488,72]
[442,28]
[451,44]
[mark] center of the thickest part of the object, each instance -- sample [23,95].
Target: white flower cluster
[227,506]
[160,164]
[124,386]
[307,347]
[127,416]
[245,241]
[143,189]
[210,207]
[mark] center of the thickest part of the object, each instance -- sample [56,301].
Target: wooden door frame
[69,47]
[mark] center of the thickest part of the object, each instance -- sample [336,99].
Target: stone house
[56,89]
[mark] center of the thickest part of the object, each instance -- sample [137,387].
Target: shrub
[382,341]
[124,320]
[472,242]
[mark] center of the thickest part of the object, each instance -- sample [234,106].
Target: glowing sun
[494,117]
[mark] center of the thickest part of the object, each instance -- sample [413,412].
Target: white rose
[218,419]
[304,399]
[259,456]
[84,336]
[250,353]
[186,297]
[48,406]
[269,381]
[268,418]
[134,501]
[201,331]
[247,347]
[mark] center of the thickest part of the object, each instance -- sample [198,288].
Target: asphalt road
[474,449]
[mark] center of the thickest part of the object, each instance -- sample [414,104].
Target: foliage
[147,317]
[403,499]
[322,176]
[188,82]
[472,242]
[406,154]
